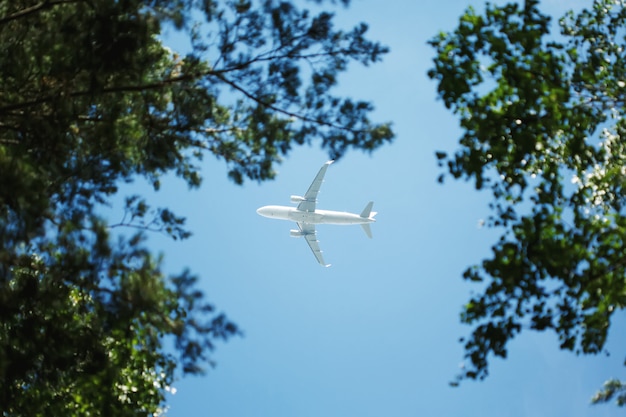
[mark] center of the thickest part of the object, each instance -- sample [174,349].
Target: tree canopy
[91,98]
[543,125]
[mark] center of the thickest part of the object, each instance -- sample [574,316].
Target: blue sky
[377,333]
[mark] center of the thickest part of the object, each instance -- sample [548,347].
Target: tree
[544,130]
[91,98]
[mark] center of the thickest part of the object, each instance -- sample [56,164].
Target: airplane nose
[263,211]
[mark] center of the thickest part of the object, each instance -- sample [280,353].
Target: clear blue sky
[377,333]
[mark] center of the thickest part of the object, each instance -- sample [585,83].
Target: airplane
[307,216]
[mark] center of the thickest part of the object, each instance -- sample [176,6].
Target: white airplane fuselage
[315,217]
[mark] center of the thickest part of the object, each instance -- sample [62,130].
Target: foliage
[612,388]
[91,98]
[543,130]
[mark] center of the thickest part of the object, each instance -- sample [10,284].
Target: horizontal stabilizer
[367,229]
[368,210]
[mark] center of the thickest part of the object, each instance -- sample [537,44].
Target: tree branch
[280,110]
[117,89]
[187,77]
[46,4]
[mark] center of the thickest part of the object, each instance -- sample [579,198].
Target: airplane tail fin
[367,229]
[367,211]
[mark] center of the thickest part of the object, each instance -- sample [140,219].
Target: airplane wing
[310,235]
[310,198]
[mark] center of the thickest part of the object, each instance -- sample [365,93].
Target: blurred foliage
[91,98]
[543,127]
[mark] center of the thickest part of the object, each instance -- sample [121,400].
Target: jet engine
[297,199]
[296,233]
